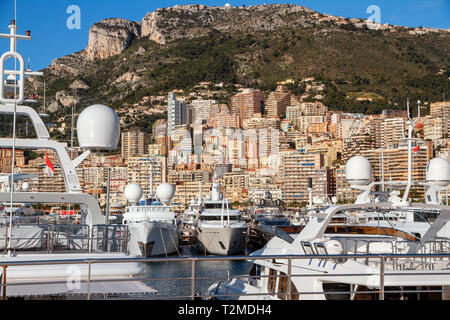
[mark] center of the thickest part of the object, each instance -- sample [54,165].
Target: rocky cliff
[111,37]
[192,21]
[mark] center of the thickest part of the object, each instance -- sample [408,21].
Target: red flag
[49,166]
[416,148]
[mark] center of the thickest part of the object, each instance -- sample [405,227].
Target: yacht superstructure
[221,230]
[268,214]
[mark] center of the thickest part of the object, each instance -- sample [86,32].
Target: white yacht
[268,214]
[152,225]
[400,271]
[98,129]
[221,230]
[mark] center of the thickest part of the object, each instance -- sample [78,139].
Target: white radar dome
[358,171]
[438,172]
[133,192]
[25,186]
[165,192]
[334,247]
[98,127]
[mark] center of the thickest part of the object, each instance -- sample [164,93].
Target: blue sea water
[181,288]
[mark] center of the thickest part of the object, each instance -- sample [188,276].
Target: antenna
[407,109]
[44,96]
[410,124]
[13,53]
[418,109]
[199,193]
[71,128]
[151,180]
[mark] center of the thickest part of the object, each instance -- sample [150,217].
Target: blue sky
[52,39]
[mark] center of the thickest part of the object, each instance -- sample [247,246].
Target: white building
[203,109]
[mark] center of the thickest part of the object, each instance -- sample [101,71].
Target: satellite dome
[318,200]
[334,247]
[438,172]
[25,186]
[165,192]
[133,192]
[98,127]
[358,171]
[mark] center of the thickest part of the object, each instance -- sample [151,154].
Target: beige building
[235,186]
[343,191]
[138,171]
[133,143]
[296,168]
[259,122]
[392,164]
[313,108]
[354,145]
[392,132]
[437,109]
[278,101]
[189,191]
[247,103]
[330,149]
[433,128]
[6,159]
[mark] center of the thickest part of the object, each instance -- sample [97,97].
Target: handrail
[51,238]
[194,260]
[220,258]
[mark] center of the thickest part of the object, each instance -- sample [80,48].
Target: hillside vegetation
[349,60]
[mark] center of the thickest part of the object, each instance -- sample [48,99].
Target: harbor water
[171,286]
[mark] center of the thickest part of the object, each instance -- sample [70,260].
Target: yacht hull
[223,240]
[153,239]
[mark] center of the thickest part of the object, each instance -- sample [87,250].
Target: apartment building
[134,142]
[391,164]
[138,171]
[247,102]
[295,169]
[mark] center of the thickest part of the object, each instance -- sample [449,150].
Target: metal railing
[74,237]
[379,290]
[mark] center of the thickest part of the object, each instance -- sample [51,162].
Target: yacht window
[283,287]
[283,235]
[215,206]
[209,218]
[219,218]
[271,281]
[256,271]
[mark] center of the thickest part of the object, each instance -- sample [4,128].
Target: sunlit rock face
[111,37]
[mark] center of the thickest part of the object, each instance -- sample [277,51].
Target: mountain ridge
[176,47]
